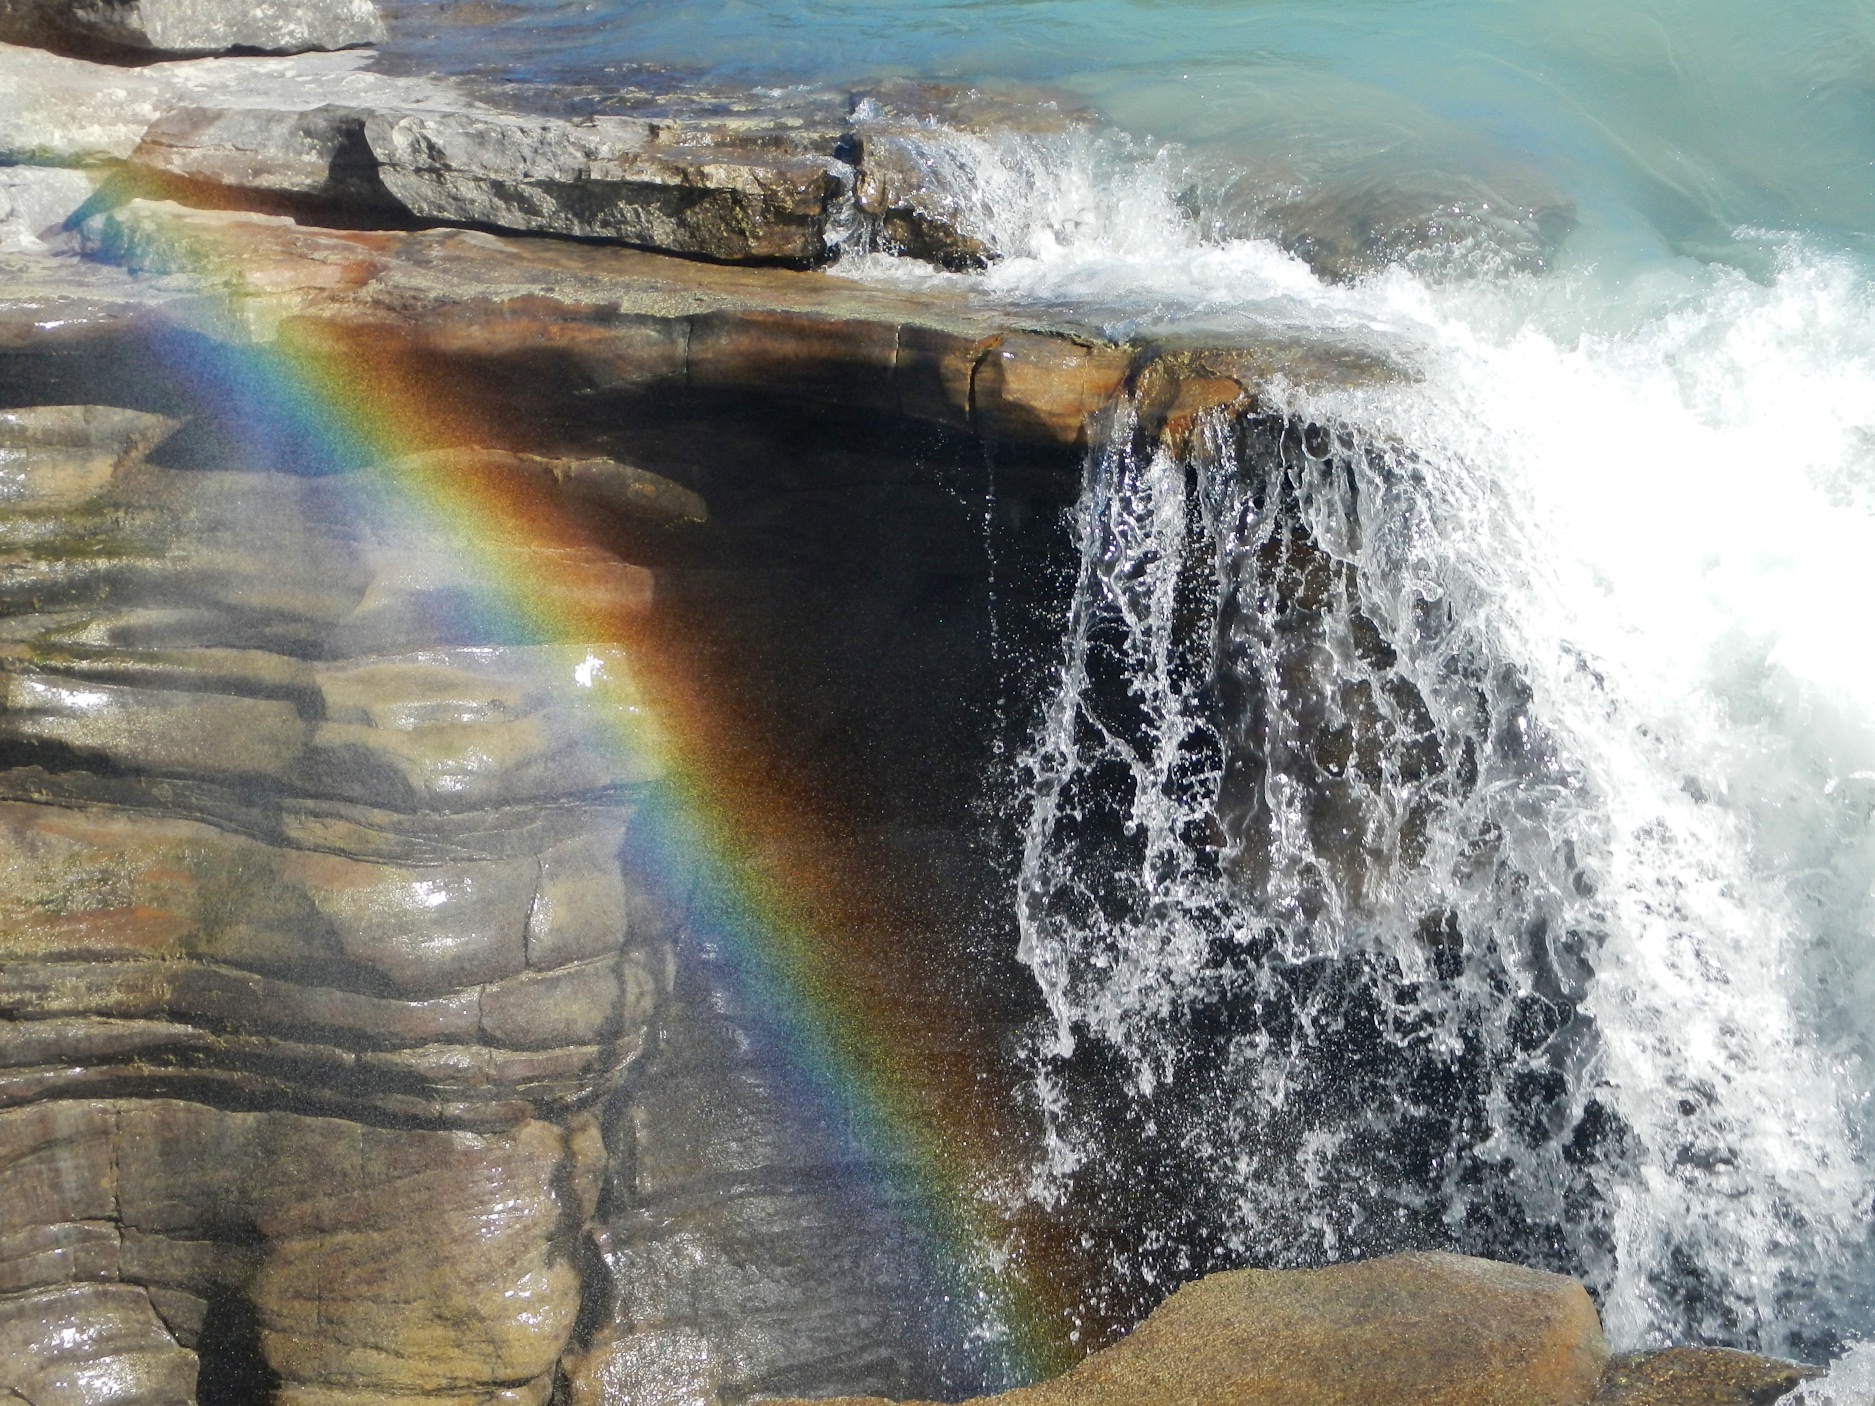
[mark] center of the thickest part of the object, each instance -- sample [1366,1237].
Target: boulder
[1429,1329]
[317,155]
[1423,1329]
[182,27]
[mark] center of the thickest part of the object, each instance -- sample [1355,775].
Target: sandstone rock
[666,1366]
[611,318]
[1424,1329]
[303,1227]
[1699,1376]
[192,26]
[448,730]
[57,456]
[608,178]
[1420,1328]
[92,1345]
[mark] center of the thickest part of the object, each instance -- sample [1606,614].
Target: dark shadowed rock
[183,27]
[1699,1376]
[620,488]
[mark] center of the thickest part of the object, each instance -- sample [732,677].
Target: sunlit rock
[180,27]
[35,202]
[1426,1329]
[612,178]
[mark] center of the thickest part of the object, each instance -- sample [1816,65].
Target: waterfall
[1375,909]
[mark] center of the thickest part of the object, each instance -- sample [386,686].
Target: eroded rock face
[183,27]
[316,960]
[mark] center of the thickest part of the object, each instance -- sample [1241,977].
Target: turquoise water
[1671,125]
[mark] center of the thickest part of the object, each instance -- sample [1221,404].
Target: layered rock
[725,195]
[315,965]
[181,27]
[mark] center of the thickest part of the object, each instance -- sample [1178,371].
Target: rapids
[1452,820]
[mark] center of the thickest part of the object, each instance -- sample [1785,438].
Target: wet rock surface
[1699,1376]
[314,964]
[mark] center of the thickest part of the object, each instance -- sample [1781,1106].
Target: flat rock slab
[180,27]
[734,197]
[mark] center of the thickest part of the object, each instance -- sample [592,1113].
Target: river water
[1454,821]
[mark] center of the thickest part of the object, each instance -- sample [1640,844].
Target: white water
[1635,499]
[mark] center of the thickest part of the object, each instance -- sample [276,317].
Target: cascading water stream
[1378,950]
[1452,821]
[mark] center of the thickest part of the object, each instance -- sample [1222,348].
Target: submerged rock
[60,111]
[186,27]
[1353,222]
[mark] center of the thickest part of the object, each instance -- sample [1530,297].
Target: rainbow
[795,925]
